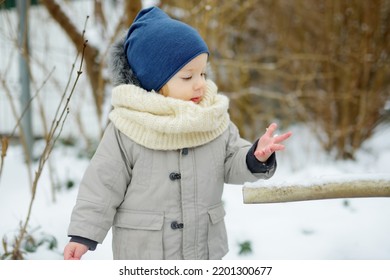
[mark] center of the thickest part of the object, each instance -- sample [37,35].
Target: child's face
[189,84]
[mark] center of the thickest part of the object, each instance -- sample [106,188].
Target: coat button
[176,225]
[184,151]
[174,176]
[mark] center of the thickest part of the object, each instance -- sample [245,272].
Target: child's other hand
[74,251]
[269,143]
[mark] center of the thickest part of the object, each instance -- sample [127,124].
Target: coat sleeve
[102,188]
[236,168]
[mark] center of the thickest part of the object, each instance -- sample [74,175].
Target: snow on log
[347,187]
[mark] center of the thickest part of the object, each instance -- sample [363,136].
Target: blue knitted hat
[157,47]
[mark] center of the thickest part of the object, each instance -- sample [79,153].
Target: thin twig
[21,132]
[4,148]
[50,142]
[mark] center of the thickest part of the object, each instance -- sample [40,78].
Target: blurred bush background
[325,63]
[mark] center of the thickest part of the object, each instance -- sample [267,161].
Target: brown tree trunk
[131,10]
[91,53]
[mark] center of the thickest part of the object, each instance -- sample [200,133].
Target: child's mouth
[196,99]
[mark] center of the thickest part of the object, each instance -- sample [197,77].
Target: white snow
[320,229]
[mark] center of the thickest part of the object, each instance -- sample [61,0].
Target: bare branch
[50,142]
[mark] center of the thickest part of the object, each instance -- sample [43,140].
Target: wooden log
[325,190]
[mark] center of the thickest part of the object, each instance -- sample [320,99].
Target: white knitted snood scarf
[164,123]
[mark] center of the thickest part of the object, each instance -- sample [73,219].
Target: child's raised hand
[269,143]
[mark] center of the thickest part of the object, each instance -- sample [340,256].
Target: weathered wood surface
[327,190]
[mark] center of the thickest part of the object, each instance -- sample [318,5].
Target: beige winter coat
[161,204]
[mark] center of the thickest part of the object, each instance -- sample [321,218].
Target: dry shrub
[325,62]
[337,55]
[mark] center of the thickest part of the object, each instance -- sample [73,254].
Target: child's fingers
[263,152]
[269,150]
[277,147]
[271,129]
[281,138]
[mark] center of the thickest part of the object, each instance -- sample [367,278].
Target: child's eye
[187,78]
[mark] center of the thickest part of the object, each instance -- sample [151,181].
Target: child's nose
[200,83]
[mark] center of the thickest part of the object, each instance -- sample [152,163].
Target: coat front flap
[139,219]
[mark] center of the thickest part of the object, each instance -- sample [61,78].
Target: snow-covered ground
[319,229]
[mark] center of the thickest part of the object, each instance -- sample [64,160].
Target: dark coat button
[174,176]
[184,151]
[176,225]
